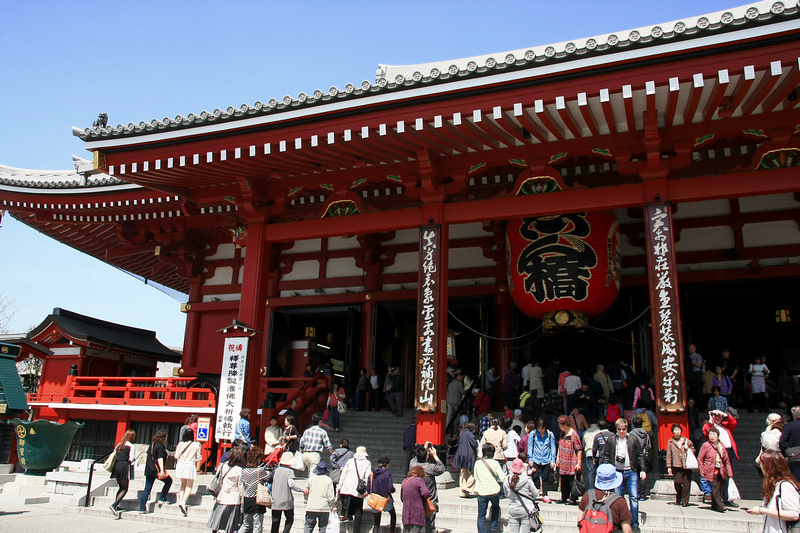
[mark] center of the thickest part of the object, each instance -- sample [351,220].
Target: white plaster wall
[698,239]
[771,233]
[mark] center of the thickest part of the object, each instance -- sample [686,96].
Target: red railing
[140,391]
[309,393]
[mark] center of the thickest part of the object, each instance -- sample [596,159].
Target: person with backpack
[539,444]
[781,505]
[614,411]
[644,393]
[644,441]
[604,509]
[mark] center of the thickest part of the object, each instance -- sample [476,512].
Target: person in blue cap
[605,499]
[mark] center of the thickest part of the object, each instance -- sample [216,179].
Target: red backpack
[597,519]
[613,413]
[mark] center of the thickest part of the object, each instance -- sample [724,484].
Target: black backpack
[553,403]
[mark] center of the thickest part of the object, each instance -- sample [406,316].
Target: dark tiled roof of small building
[86,328]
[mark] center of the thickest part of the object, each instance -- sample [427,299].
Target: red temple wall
[210,343]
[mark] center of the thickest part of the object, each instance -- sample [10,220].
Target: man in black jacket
[625,453]
[790,438]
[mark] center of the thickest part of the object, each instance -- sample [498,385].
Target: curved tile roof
[56,179]
[393,78]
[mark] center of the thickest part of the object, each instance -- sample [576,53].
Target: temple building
[616,197]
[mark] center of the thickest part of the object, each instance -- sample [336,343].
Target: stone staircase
[381,433]
[748,441]
[456,514]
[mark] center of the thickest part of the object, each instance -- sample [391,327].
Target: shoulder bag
[376,501]
[160,474]
[111,460]
[497,479]
[216,484]
[430,507]
[533,514]
[361,488]
[691,460]
[791,526]
[263,495]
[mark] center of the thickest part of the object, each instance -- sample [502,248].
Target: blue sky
[63,62]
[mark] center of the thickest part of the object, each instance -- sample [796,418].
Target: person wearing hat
[354,471]
[320,498]
[521,493]
[381,483]
[606,482]
[283,484]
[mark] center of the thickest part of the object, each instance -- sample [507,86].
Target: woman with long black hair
[123,472]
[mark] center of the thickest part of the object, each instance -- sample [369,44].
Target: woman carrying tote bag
[678,449]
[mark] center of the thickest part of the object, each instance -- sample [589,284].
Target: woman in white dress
[758,382]
[187,454]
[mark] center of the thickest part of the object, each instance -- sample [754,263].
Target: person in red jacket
[725,424]
[715,466]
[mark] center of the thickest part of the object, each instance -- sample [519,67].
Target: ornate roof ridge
[390,78]
[55,179]
[685,27]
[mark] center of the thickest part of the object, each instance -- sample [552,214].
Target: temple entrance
[327,338]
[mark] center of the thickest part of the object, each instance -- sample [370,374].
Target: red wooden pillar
[192,334]
[432,416]
[666,320]
[372,283]
[253,309]
[502,327]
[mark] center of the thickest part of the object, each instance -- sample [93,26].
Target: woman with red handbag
[155,468]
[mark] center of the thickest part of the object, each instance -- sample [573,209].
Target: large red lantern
[564,268]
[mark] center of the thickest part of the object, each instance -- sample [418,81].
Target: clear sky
[63,62]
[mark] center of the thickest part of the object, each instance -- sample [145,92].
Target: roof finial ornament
[102,121]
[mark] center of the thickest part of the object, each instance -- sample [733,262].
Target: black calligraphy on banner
[231,387]
[558,261]
[428,318]
[665,308]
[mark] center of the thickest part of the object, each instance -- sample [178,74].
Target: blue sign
[202,433]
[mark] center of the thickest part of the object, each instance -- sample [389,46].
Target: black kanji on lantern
[558,262]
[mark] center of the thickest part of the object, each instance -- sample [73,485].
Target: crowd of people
[590,438]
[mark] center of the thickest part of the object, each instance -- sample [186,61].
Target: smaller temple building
[104,375]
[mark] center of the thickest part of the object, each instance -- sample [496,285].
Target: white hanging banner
[231,387]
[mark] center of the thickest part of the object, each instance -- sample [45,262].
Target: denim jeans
[333,417]
[148,486]
[630,484]
[591,472]
[705,485]
[312,518]
[483,504]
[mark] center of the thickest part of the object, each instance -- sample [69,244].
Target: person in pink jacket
[715,467]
